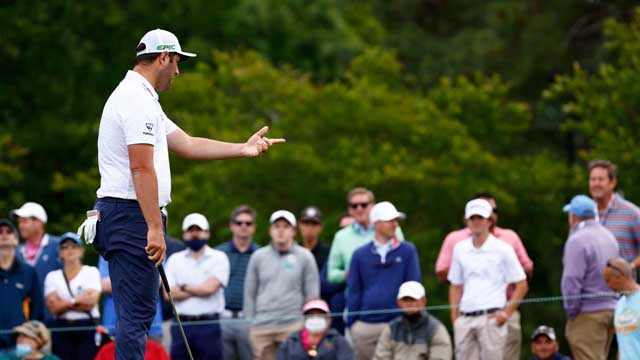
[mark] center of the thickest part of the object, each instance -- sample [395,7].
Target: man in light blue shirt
[618,275]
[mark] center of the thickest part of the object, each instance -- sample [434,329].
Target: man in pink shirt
[514,337]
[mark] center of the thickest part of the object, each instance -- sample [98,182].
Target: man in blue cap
[589,329]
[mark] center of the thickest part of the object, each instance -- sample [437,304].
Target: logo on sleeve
[149,128]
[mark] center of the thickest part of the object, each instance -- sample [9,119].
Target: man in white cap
[383,263]
[280,278]
[485,266]
[39,249]
[416,334]
[197,276]
[134,140]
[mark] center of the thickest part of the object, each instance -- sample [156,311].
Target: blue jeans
[121,238]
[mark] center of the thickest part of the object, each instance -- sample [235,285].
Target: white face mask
[315,324]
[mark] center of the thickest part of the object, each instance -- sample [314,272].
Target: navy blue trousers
[205,342]
[121,238]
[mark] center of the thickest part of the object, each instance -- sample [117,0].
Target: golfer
[134,140]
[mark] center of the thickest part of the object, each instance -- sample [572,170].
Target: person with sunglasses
[352,236]
[235,333]
[19,285]
[514,337]
[382,264]
[589,329]
[618,274]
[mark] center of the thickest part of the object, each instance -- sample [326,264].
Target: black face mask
[412,318]
[196,244]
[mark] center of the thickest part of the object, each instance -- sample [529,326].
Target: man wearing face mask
[316,340]
[197,276]
[416,334]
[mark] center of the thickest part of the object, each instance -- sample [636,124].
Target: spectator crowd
[360,298]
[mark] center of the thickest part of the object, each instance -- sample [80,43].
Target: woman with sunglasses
[72,295]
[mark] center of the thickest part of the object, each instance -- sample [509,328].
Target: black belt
[199,317]
[115,200]
[480,312]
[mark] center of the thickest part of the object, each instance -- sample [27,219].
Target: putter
[165,283]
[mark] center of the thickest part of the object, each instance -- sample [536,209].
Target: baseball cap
[384,211]
[8,223]
[411,289]
[544,330]
[283,214]
[480,207]
[581,206]
[158,40]
[316,304]
[311,213]
[31,209]
[72,236]
[35,330]
[196,219]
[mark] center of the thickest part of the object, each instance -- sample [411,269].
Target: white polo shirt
[133,115]
[183,269]
[485,273]
[87,278]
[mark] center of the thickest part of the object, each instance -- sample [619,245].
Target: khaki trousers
[365,338]
[479,337]
[266,340]
[514,337]
[589,335]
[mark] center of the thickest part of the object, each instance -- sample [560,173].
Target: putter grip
[163,276]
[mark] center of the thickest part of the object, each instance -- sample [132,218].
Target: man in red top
[514,337]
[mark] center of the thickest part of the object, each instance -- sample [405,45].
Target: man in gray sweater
[280,278]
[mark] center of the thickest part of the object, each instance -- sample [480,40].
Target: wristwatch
[183,287]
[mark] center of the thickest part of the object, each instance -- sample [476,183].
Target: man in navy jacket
[380,265]
[20,295]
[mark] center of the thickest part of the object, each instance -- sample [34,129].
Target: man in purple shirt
[589,329]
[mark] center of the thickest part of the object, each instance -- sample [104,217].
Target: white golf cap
[196,219]
[480,207]
[384,211]
[31,209]
[158,40]
[411,289]
[283,214]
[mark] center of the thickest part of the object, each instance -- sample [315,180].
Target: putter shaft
[165,283]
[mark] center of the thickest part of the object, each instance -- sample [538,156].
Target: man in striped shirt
[618,215]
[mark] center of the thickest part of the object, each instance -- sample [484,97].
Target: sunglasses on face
[240,223]
[362,205]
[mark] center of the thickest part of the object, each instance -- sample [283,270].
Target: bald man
[618,276]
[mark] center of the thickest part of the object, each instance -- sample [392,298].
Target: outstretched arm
[197,148]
